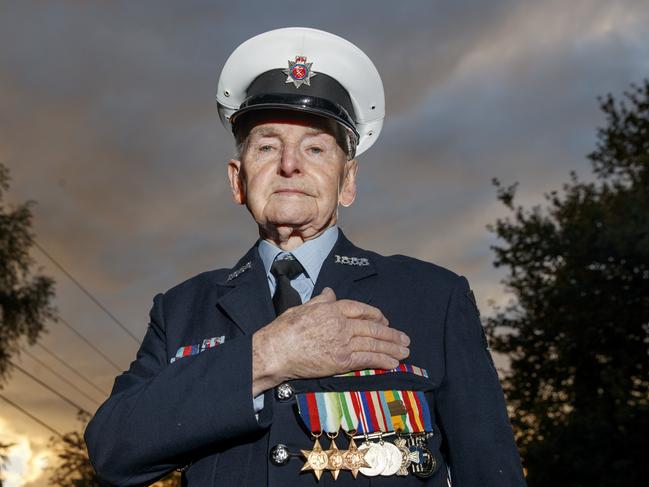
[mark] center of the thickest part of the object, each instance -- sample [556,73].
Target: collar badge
[356,261]
[299,72]
[240,270]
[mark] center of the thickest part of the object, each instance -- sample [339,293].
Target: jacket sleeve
[160,416]
[470,403]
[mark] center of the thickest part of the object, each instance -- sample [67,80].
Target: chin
[290,220]
[291,214]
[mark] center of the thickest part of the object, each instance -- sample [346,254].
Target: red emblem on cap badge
[299,72]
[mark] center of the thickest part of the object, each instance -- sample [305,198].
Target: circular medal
[375,456]
[427,462]
[393,457]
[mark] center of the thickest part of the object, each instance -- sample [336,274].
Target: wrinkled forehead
[266,122]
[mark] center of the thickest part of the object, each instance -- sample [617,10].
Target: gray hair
[240,145]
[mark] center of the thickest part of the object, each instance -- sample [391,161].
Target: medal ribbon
[418,411]
[308,408]
[350,407]
[333,410]
[369,420]
[387,415]
[320,411]
[365,411]
[425,411]
[401,368]
[400,418]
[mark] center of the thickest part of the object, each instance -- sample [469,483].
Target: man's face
[292,175]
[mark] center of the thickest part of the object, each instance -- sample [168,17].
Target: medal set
[333,459]
[393,425]
[406,454]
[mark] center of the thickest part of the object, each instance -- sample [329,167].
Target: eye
[315,150]
[265,148]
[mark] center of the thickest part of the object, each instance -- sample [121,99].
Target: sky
[108,122]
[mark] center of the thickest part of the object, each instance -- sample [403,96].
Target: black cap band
[324,96]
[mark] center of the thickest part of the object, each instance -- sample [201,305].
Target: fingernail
[405,339]
[404,351]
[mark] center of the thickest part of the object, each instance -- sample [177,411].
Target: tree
[577,330]
[74,468]
[24,297]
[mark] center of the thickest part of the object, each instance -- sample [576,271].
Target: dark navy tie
[285,296]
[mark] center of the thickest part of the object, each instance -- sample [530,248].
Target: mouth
[289,191]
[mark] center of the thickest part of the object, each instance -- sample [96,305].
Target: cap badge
[299,72]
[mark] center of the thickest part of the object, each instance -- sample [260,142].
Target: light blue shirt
[311,254]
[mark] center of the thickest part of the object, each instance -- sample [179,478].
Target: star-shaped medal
[299,72]
[354,458]
[336,460]
[316,459]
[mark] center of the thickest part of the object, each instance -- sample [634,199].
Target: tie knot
[290,268]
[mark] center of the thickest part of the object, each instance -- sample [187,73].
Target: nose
[290,163]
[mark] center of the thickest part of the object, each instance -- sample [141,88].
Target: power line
[90,344]
[51,389]
[28,414]
[87,293]
[72,369]
[60,376]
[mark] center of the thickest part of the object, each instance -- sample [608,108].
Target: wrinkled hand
[324,337]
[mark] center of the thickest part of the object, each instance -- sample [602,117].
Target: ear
[348,190]
[236,182]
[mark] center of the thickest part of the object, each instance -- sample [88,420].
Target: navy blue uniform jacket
[198,410]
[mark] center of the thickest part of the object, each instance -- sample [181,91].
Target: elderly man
[311,360]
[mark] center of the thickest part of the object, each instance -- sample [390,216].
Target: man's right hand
[324,337]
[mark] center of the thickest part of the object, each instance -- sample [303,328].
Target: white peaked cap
[307,70]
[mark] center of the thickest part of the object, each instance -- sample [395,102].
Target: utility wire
[60,376]
[51,389]
[28,414]
[87,293]
[72,369]
[90,344]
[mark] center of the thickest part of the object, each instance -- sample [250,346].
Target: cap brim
[292,108]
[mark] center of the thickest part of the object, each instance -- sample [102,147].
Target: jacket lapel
[245,298]
[348,270]
[247,301]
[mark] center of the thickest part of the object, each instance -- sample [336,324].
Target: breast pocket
[399,402]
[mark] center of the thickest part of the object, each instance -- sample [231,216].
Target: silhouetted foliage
[577,332]
[74,468]
[24,297]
